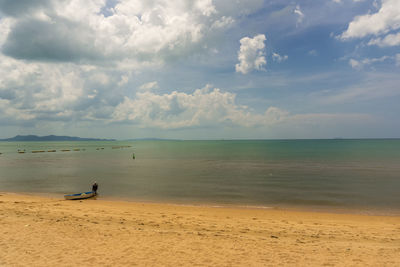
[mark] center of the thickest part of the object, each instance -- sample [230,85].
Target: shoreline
[366,211]
[43,231]
[109,201]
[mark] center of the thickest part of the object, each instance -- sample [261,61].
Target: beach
[43,231]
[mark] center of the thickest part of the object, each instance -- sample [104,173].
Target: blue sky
[206,69]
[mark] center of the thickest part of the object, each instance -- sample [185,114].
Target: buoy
[133,155]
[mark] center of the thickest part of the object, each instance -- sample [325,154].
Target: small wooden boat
[80,195]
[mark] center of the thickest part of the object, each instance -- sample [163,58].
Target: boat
[80,195]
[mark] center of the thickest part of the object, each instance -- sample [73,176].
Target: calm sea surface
[333,174]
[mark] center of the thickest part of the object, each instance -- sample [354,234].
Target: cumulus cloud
[381,22]
[59,40]
[21,7]
[223,22]
[278,58]
[74,60]
[388,40]
[203,108]
[54,92]
[251,54]
[130,31]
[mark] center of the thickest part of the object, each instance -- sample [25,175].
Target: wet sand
[44,231]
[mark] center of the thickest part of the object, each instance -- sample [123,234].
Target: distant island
[24,138]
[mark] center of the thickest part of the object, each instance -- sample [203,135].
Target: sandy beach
[44,231]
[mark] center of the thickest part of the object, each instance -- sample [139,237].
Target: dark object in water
[133,156]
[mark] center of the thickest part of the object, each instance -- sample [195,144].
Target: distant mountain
[23,138]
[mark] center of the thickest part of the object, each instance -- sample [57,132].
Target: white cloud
[223,22]
[203,108]
[99,78]
[388,40]
[149,86]
[132,32]
[278,58]
[251,54]
[206,7]
[385,20]
[358,64]
[299,13]
[5,28]
[74,60]
[51,92]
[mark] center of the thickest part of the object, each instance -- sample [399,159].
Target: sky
[200,69]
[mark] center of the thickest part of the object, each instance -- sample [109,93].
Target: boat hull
[80,195]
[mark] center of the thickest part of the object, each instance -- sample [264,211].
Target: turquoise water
[335,174]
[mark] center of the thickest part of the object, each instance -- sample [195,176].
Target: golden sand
[43,231]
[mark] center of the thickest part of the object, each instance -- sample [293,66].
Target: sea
[341,175]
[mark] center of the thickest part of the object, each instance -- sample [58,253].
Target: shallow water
[360,174]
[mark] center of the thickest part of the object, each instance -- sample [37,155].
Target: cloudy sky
[200,69]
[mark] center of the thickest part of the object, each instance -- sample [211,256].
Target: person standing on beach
[94,187]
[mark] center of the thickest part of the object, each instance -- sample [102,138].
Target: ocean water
[327,174]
